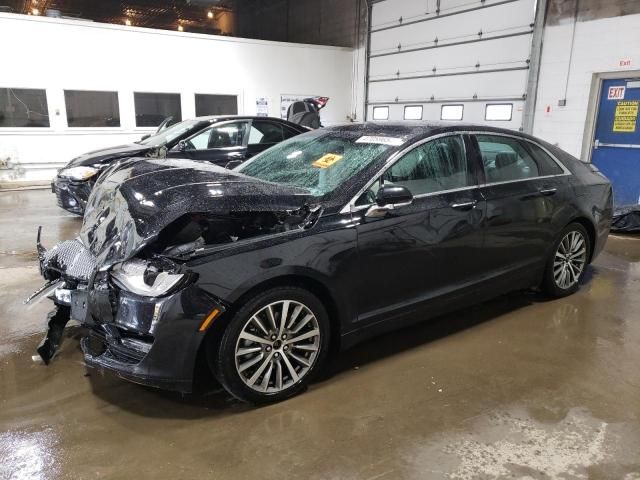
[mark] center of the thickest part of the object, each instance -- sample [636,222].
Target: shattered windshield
[319,161]
[170,134]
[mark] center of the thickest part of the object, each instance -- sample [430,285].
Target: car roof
[413,130]
[219,118]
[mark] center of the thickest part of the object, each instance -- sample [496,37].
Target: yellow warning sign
[327,160]
[626,116]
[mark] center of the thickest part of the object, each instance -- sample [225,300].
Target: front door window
[433,167]
[219,136]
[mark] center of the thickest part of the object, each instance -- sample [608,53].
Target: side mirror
[390,197]
[144,137]
[394,195]
[182,145]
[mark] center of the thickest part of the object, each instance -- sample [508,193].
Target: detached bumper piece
[56,321]
[71,195]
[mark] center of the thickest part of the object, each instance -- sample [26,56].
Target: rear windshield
[319,161]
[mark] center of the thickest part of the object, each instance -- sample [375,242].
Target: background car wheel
[273,345]
[568,262]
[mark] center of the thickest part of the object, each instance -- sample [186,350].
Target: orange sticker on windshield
[327,160]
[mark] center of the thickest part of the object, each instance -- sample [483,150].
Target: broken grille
[72,259]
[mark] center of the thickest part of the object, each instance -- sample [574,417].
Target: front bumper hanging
[57,320]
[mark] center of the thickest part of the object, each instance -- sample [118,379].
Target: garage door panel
[388,12]
[463,57]
[470,69]
[511,18]
[498,84]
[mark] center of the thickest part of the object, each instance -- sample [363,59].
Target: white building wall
[57,54]
[599,46]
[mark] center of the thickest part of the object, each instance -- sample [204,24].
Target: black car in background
[321,241]
[215,139]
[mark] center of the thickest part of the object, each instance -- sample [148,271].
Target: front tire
[273,346]
[568,262]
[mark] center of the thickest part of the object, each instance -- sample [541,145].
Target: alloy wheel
[278,346]
[570,259]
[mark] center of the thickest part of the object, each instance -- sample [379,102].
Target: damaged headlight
[79,173]
[141,278]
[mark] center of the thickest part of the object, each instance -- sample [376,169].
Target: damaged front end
[127,279]
[64,268]
[128,310]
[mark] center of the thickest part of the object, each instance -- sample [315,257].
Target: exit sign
[625,62]
[616,93]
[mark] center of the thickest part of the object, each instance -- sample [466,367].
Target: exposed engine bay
[195,231]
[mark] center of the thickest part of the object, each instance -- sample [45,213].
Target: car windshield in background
[318,161]
[170,134]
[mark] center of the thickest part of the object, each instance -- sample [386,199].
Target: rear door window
[508,159]
[505,159]
[546,164]
[265,133]
[289,132]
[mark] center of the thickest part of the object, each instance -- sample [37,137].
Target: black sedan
[219,140]
[319,242]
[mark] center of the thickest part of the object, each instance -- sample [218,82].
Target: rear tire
[567,262]
[273,346]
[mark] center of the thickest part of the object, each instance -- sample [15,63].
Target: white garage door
[450,59]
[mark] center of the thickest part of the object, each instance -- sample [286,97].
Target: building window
[216,105]
[23,107]
[92,109]
[413,112]
[451,112]
[381,113]
[153,108]
[499,112]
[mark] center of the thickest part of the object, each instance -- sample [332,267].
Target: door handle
[464,205]
[548,191]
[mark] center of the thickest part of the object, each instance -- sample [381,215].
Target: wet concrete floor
[518,387]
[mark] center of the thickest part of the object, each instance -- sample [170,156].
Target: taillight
[320,101]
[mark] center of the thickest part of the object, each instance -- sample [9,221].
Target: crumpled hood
[106,155]
[132,203]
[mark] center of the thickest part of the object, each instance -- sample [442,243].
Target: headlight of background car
[79,173]
[139,277]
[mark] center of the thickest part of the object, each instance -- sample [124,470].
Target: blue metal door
[616,146]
